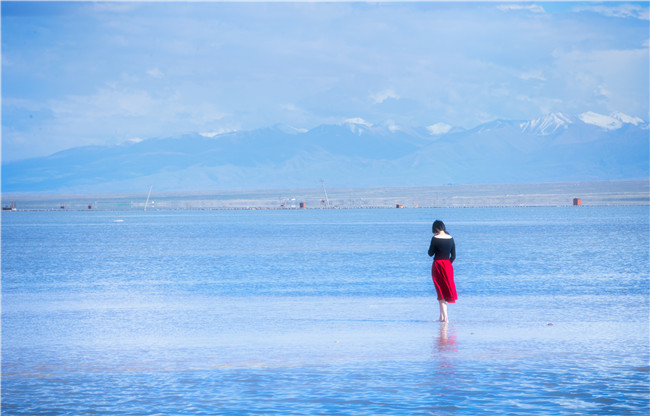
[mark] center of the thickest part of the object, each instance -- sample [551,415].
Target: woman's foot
[443,311]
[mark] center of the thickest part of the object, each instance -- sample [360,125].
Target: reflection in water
[447,339]
[444,375]
[443,343]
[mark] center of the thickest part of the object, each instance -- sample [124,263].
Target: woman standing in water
[443,251]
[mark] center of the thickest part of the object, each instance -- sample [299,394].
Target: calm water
[324,312]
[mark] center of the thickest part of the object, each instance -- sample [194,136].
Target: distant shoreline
[596,193]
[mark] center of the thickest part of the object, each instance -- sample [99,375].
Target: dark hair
[438,226]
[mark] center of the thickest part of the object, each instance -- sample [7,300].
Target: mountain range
[554,148]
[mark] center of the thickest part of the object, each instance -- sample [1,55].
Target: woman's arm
[453,251]
[431,248]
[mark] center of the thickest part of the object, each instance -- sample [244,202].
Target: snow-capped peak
[612,122]
[358,120]
[215,133]
[357,125]
[285,128]
[627,119]
[438,129]
[600,120]
[547,124]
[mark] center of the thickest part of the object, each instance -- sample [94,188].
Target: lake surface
[321,312]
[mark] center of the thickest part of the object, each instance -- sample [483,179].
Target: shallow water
[324,312]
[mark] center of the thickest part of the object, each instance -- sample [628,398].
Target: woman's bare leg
[443,311]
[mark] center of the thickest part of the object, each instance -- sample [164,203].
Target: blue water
[320,312]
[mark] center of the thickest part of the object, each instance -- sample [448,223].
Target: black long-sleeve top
[442,249]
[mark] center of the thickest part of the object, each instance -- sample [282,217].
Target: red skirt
[442,274]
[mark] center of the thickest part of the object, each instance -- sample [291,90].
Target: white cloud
[105,103]
[289,107]
[382,96]
[538,104]
[124,115]
[391,126]
[535,74]
[615,80]
[601,91]
[625,10]
[156,73]
[527,7]
[133,140]
[120,105]
[23,103]
[114,7]
[439,128]
[463,63]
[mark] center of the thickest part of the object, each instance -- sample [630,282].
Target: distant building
[577,202]
[303,205]
[399,206]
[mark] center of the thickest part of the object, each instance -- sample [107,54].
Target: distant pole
[148,195]
[327,201]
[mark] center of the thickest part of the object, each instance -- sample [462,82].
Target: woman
[444,249]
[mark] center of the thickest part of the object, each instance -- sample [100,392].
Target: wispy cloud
[133,140]
[535,8]
[535,74]
[158,69]
[622,10]
[155,72]
[382,96]
[113,6]
[107,102]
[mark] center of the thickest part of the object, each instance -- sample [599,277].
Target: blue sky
[105,73]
